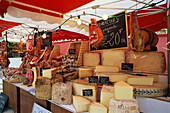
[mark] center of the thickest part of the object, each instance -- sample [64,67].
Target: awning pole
[168,46]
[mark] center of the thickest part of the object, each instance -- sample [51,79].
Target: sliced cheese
[113,58]
[80,85]
[123,91]
[96,107]
[107,93]
[85,72]
[81,104]
[49,73]
[123,106]
[91,59]
[106,69]
[35,76]
[114,77]
[140,80]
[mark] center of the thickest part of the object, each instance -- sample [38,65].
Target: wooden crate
[81,47]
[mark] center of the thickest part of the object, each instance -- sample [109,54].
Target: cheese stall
[88,56]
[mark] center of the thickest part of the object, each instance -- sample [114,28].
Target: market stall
[117,64]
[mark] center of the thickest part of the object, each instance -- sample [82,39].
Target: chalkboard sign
[127,66]
[93,79]
[46,41]
[72,51]
[87,92]
[3,100]
[114,31]
[104,80]
[22,54]
[141,75]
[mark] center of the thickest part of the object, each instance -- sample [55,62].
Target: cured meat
[136,37]
[36,59]
[30,47]
[3,46]
[47,53]
[20,45]
[95,34]
[4,61]
[38,47]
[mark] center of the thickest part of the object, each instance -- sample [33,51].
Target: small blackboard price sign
[3,100]
[41,69]
[93,79]
[104,80]
[127,66]
[47,42]
[22,54]
[72,51]
[87,92]
[114,30]
[141,75]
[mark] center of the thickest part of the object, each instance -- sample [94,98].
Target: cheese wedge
[123,106]
[114,77]
[96,107]
[85,72]
[107,93]
[81,104]
[80,85]
[49,73]
[91,59]
[140,80]
[113,58]
[123,91]
[155,77]
[106,69]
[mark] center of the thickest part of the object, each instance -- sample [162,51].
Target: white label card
[38,109]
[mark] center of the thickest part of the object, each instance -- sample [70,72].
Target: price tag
[104,80]
[140,75]
[38,109]
[41,69]
[93,79]
[22,54]
[87,92]
[127,66]
[3,100]
[72,51]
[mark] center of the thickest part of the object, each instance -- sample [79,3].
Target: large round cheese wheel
[157,89]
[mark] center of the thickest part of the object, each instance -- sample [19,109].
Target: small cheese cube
[49,73]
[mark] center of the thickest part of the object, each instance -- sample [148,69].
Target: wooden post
[168,46]
[7,46]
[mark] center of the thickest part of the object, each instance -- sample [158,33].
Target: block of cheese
[107,93]
[147,61]
[155,77]
[81,104]
[62,93]
[35,76]
[91,59]
[49,73]
[135,80]
[114,77]
[157,89]
[106,69]
[85,72]
[96,107]
[123,106]
[80,85]
[113,58]
[43,88]
[123,91]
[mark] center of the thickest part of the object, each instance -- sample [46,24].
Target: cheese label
[87,92]
[104,80]
[72,51]
[141,75]
[127,66]
[93,79]
[42,69]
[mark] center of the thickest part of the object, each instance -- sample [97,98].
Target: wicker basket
[81,47]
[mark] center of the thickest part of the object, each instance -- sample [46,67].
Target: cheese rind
[123,106]
[113,58]
[123,91]
[114,77]
[81,104]
[106,69]
[91,59]
[49,73]
[85,72]
[107,93]
[140,80]
[80,85]
[96,107]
